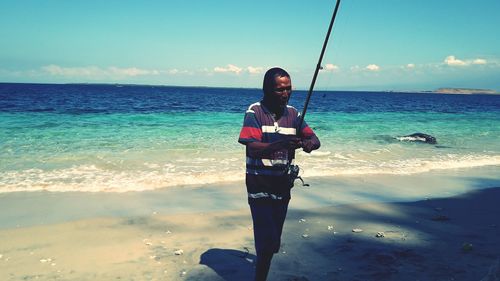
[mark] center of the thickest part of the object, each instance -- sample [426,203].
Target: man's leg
[265,236]
[262,265]
[280,209]
[268,219]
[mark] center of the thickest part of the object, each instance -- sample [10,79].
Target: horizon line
[252,88]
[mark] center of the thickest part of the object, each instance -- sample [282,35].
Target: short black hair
[270,78]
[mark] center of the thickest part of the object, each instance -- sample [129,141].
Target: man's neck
[276,110]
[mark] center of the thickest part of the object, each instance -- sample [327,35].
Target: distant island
[464,91]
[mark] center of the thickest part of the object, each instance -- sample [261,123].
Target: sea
[120,138]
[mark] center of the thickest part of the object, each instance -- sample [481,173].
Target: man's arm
[309,139]
[310,143]
[258,149]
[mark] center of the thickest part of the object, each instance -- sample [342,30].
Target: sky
[375,44]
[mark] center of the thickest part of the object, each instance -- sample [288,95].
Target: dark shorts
[268,219]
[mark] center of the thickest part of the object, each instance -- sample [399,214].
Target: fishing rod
[293,170]
[318,66]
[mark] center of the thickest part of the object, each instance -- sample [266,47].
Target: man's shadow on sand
[230,264]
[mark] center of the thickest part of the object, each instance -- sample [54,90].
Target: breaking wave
[201,171]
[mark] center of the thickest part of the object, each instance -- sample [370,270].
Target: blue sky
[375,45]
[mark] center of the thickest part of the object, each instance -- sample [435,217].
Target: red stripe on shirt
[251,133]
[307,132]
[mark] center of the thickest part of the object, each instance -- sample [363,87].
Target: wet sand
[433,227]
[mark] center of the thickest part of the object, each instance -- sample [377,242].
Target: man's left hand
[307,146]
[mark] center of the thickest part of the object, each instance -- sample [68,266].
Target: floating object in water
[418,137]
[179,252]
[330,227]
[305,235]
[357,230]
[380,234]
[467,247]
[302,220]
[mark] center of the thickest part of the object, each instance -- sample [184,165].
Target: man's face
[282,91]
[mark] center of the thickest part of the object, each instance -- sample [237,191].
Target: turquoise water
[50,145]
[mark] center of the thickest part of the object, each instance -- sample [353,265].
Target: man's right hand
[292,143]
[262,150]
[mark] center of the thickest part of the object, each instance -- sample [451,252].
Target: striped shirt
[266,177]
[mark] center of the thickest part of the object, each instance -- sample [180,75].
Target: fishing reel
[292,172]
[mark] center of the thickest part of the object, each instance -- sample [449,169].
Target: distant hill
[464,91]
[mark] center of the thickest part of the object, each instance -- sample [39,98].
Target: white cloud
[175,71]
[132,71]
[451,60]
[372,67]
[331,67]
[230,68]
[97,72]
[479,61]
[72,71]
[255,70]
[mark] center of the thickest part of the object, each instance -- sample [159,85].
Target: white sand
[133,236]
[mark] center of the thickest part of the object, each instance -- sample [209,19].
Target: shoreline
[436,226]
[21,209]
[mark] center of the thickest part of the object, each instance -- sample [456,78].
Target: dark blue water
[123,137]
[83,98]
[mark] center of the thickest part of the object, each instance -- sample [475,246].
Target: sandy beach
[433,226]
[133,135]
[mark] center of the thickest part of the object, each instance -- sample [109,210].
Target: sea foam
[90,178]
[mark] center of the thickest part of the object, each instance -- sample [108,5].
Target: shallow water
[131,138]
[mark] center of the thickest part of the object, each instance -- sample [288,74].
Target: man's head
[277,87]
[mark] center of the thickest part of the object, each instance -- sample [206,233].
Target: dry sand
[450,238]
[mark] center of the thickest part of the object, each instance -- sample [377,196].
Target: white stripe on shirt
[279,130]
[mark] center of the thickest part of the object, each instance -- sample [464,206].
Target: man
[269,133]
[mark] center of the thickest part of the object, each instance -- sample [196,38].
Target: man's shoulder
[292,110]
[256,106]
